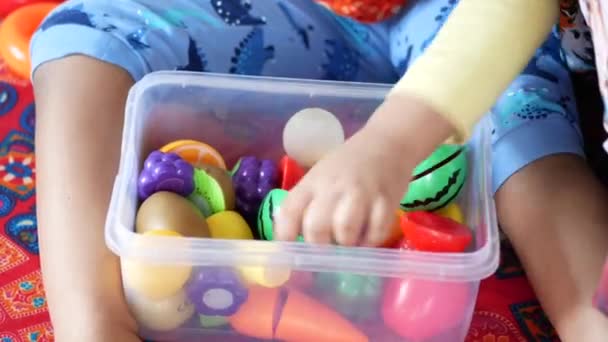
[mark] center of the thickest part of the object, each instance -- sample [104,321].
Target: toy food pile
[186,190]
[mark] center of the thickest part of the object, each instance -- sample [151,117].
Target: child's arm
[480,50]
[80,106]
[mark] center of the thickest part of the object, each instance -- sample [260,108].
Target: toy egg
[196,153]
[310,134]
[418,309]
[270,205]
[169,211]
[153,280]
[216,291]
[354,295]
[437,180]
[164,314]
[253,180]
[165,172]
[213,186]
[229,225]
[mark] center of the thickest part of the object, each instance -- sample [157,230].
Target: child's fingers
[380,218]
[288,221]
[317,222]
[349,217]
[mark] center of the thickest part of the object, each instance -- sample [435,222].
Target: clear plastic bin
[436,293]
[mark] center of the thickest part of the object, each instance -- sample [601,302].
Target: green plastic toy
[212,194]
[212,321]
[437,181]
[354,295]
[269,206]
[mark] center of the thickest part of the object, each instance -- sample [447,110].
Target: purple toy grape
[253,180]
[165,172]
[216,291]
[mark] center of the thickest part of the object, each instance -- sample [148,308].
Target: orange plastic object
[301,280]
[299,318]
[8,6]
[195,153]
[396,232]
[290,172]
[255,317]
[366,11]
[432,232]
[305,319]
[16,32]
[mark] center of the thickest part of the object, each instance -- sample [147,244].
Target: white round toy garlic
[160,314]
[310,134]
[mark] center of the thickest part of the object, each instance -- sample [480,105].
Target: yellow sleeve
[480,50]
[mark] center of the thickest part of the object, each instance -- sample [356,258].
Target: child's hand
[350,196]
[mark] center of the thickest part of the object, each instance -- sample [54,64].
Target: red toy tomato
[7,6]
[430,232]
[290,172]
[418,309]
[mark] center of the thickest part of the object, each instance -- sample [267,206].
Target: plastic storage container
[334,293]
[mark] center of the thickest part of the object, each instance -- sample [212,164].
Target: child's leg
[549,203]
[80,104]
[78,131]
[596,13]
[554,213]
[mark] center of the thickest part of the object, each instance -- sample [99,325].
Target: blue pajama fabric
[534,118]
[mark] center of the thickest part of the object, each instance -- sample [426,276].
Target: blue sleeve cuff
[531,142]
[71,39]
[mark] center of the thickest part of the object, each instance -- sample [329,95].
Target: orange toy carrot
[255,317]
[291,316]
[305,319]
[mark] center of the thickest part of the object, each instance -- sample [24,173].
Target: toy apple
[418,309]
